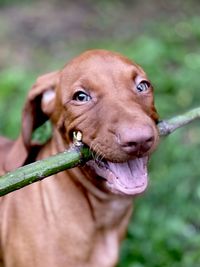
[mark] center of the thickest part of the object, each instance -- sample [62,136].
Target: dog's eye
[81,96]
[143,86]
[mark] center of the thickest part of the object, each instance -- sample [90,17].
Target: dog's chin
[127,178]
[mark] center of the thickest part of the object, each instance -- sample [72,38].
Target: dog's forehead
[101,57]
[97,62]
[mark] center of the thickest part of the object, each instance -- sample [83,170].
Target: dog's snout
[136,140]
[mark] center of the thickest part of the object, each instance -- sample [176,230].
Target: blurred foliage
[4,3]
[13,84]
[165,230]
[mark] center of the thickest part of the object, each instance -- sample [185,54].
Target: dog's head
[109,99]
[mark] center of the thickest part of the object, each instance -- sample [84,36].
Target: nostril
[147,144]
[139,142]
[150,140]
[130,144]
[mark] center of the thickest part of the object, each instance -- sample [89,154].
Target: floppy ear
[38,108]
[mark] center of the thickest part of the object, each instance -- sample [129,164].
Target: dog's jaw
[127,178]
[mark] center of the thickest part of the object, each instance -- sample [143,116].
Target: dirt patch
[32,33]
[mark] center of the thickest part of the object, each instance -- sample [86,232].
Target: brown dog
[78,217]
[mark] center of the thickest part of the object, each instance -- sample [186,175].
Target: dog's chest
[109,214]
[106,249]
[111,220]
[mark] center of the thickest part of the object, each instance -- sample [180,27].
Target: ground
[39,33]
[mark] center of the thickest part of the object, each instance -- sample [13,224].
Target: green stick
[75,156]
[43,168]
[169,126]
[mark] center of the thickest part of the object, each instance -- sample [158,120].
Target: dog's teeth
[79,136]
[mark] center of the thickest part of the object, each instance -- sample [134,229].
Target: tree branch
[41,169]
[77,155]
[168,126]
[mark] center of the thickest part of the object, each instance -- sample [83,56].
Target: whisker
[99,157]
[97,154]
[102,157]
[92,149]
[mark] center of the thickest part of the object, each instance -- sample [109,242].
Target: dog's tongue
[129,177]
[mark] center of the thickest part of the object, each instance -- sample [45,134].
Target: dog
[78,217]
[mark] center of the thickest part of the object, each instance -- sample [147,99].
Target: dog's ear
[39,105]
[38,108]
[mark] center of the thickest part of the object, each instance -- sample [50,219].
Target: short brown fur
[70,219]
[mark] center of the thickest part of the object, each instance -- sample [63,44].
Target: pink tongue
[130,174]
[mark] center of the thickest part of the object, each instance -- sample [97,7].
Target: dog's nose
[136,140]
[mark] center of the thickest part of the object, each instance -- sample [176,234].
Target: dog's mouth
[127,178]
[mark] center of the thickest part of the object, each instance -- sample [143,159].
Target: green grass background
[165,228]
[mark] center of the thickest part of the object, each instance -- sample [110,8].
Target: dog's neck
[106,208]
